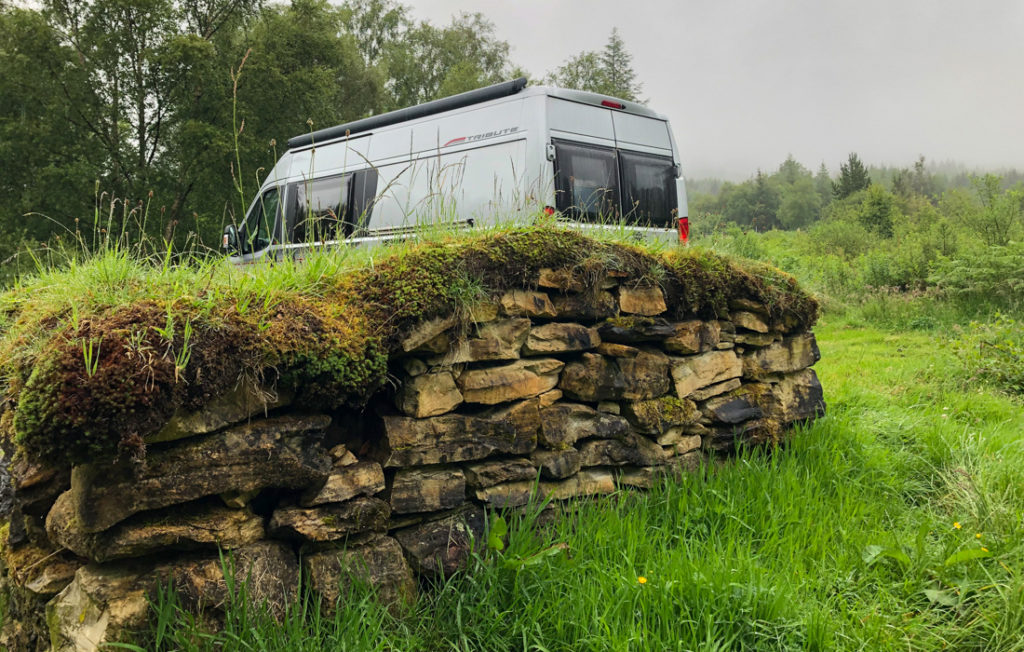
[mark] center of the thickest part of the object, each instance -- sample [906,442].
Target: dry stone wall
[562,390]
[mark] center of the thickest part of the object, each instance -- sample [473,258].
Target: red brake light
[549,210]
[612,105]
[684,230]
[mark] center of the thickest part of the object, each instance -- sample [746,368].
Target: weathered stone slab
[733,408]
[641,477]
[560,337]
[457,437]
[588,306]
[798,396]
[694,372]
[588,482]
[597,378]
[428,489]
[42,569]
[245,401]
[694,336]
[346,482]
[611,407]
[507,494]
[480,475]
[556,464]
[331,522]
[549,398]
[563,424]
[495,340]
[428,395]
[511,382]
[560,279]
[749,305]
[617,350]
[635,450]
[111,602]
[756,339]
[655,416]
[441,547]
[791,354]
[687,443]
[175,528]
[648,301]
[749,321]
[280,452]
[632,330]
[753,432]
[425,333]
[378,562]
[716,389]
[516,303]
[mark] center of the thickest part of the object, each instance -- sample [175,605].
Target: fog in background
[747,82]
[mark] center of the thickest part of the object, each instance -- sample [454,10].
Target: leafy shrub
[995,273]
[994,351]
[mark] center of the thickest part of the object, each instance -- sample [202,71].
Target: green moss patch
[97,358]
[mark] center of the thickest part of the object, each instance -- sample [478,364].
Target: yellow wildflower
[956,525]
[642,579]
[978,535]
[984,549]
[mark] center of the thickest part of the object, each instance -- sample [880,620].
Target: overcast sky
[745,82]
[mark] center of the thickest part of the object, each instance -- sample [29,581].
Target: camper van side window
[586,182]
[648,188]
[321,210]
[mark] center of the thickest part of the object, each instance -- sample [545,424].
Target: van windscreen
[648,188]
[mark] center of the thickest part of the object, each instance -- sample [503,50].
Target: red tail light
[612,105]
[549,210]
[684,230]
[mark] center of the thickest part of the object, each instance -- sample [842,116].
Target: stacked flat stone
[560,391]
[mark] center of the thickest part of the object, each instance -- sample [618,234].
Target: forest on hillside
[166,113]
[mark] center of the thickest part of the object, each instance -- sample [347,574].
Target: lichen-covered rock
[635,450]
[791,354]
[330,522]
[716,389]
[597,378]
[428,489]
[558,337]
[441,547]
[207,525]
[516,303]
[655,416]
[480,475]
[642,300]
[459,437]
[494,340]
[428,395]
[560,279]
[588,482]
[426,332]
[346,482]
[563,424]
[511,382]
[280,452]
[507,494]
[556,464]
[694,372]
[378,562]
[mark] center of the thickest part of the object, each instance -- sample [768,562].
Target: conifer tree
[853,176]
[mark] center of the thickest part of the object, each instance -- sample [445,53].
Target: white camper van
[504,152]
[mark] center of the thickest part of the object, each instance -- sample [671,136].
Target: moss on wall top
[97,356]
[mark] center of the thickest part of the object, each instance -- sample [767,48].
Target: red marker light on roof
[612,105]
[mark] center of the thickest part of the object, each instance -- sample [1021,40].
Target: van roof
[469,98]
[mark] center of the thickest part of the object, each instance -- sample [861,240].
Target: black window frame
[359,203]
[625,191]
[564,176]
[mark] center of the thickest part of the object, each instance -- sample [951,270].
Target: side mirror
[230,241]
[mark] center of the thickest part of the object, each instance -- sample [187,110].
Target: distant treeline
[793,197]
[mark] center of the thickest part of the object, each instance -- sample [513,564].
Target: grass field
[895,523]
